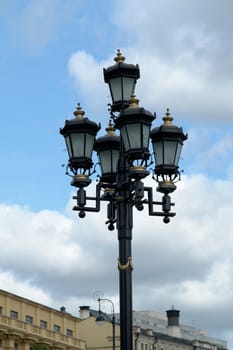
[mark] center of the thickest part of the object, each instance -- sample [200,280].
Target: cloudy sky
[52,55]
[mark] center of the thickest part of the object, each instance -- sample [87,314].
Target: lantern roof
[120,68]
[133,113]
[79,123]
[110,139]
[168,130]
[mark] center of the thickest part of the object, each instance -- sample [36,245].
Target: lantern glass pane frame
[167,152]
[121,88]
[135,136]
[108,161]
[80,144]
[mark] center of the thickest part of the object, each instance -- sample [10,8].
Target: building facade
[164,332]
[24,323]
[151,331]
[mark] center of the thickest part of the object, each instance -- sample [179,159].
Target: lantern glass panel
[108,160]
[116,90]
[89,145]
[68,146]
[158,152]
[131,136]
[121,88]
[178,151]
[170,152]
[77,142]
[115,159]
[145,135]
[128,87]
[82,144]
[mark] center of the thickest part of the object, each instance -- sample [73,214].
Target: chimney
[149,332]
[173,322]
[84,312]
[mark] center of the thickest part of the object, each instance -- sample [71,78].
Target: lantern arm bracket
[82,199]
[165,203]
[137,190]
[111,214]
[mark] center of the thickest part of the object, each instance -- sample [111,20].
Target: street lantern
[134,124]
[167,141]
[101,320]
[79,134]
[121,78]
[108,149]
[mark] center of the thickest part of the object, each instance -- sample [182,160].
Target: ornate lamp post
[124,162]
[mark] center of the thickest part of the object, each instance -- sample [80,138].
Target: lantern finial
[79,113]
[168,118]
[119,58]
[133,102]
[110,129]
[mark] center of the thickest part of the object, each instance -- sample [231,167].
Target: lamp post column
[124,226]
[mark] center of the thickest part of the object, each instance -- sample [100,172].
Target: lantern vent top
[168,118]
[79,113]
[119,58]
[133,102]
[110,129]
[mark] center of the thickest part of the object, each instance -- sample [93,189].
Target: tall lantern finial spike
[79,113]
[168,118]
[119,58]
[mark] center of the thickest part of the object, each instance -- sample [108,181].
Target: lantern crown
[108,148]
[121,78]
[167,141]
[79,134]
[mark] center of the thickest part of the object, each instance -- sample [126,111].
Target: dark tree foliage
[38,347]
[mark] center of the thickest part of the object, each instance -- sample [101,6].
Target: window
[14,314]
[28,319]
[56,328]
[69,332]
[43,324]
[1,310]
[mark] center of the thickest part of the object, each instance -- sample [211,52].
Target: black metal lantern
[121,78]
[108,148]
[100,320]
[134,124]
[79,134]
[167,143]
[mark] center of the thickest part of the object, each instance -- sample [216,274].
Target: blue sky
[38,93]
[52,56]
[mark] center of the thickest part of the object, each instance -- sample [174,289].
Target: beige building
[98,337]
[24,323]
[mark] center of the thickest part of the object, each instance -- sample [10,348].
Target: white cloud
[72,258]
[24,288]
[183,53]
